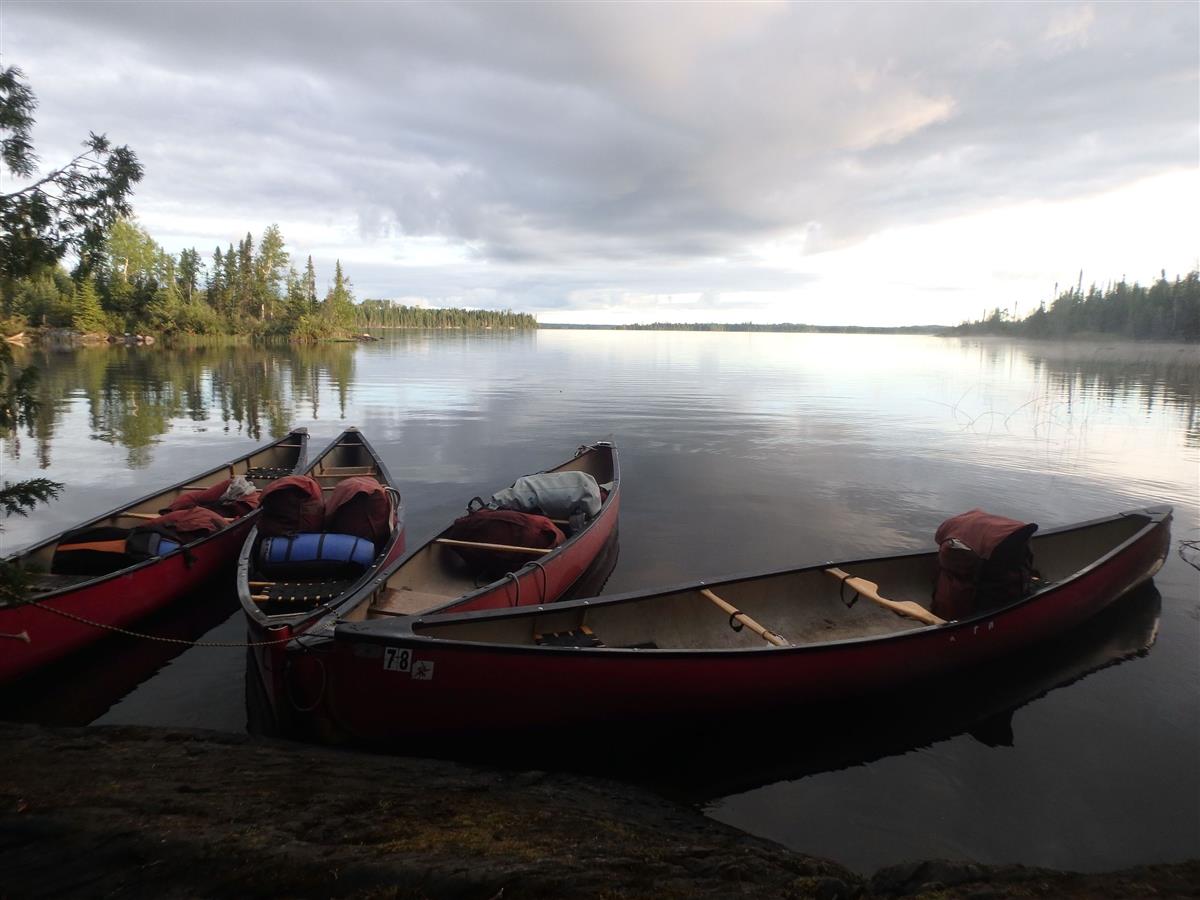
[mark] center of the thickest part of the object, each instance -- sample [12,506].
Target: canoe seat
[580,637]
[267,473]
[298,592]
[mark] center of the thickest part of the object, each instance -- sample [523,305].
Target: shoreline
[152,812]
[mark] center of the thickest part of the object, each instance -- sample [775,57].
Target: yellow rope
[159,638]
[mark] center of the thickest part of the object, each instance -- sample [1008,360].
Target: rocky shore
[148,812]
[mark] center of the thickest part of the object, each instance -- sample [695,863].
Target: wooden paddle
[507,548]
[763,633]
[870,590]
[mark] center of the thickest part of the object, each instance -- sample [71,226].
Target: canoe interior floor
[407,602]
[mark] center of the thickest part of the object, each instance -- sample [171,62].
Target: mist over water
[738,452]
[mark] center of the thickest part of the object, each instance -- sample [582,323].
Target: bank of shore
[147,812]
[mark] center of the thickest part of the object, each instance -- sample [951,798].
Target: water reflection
[131,396]
[1145,377]
[742,452]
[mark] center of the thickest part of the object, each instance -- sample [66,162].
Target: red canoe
[42,631]
[277,607]
[435,577]
[676,654]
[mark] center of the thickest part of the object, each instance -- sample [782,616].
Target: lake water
[738,452]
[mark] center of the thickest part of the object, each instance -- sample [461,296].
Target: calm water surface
[738,452]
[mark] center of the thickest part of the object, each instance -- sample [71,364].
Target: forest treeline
[133,285]
[389,314]
[249,288]
[1165,311]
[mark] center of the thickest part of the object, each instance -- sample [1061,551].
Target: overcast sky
[825,163]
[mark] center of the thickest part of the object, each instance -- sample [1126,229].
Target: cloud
[610,139]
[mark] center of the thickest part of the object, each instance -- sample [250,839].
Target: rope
[516,581]
[545,580]
[842,592]
[155,637]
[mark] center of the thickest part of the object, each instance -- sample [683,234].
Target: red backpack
[291,505]
[359,506]
[210,498]
[187,525]
[984,562]
[501,526]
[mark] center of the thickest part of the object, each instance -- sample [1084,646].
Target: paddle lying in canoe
[673,653]
[111,571]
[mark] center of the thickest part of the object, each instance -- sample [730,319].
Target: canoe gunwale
[401,628]
[242,521]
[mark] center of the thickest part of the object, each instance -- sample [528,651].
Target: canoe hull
[119,599]
[115,602]
[392,690]
[267,635]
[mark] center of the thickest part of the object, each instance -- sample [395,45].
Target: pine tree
[189,272]
[310,283]
[88,317]
[215,292]
[339,301]
[269,268]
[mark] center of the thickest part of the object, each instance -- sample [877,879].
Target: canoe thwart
[736,615]
[870,590]
[580,637]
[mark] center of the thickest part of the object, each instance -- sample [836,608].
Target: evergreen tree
[230,277]
[67,210]
[189,273]
[338,307]
[215,292]
[269,269]
[310,283]
[245,277]
[88,317]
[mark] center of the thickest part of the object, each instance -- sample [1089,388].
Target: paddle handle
[870,590]
[764,633]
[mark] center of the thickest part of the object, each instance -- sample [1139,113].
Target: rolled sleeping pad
[92,551]
[315,555]
[147,544]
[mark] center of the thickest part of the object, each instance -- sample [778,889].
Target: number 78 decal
[399,659]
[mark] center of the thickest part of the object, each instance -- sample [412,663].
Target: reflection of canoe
[276,608]
[673,654]
[102,673]
[434,576]
[837,735]
[120,597]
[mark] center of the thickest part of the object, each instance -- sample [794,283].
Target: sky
[843,163]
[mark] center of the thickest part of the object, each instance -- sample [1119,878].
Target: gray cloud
[581,136]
